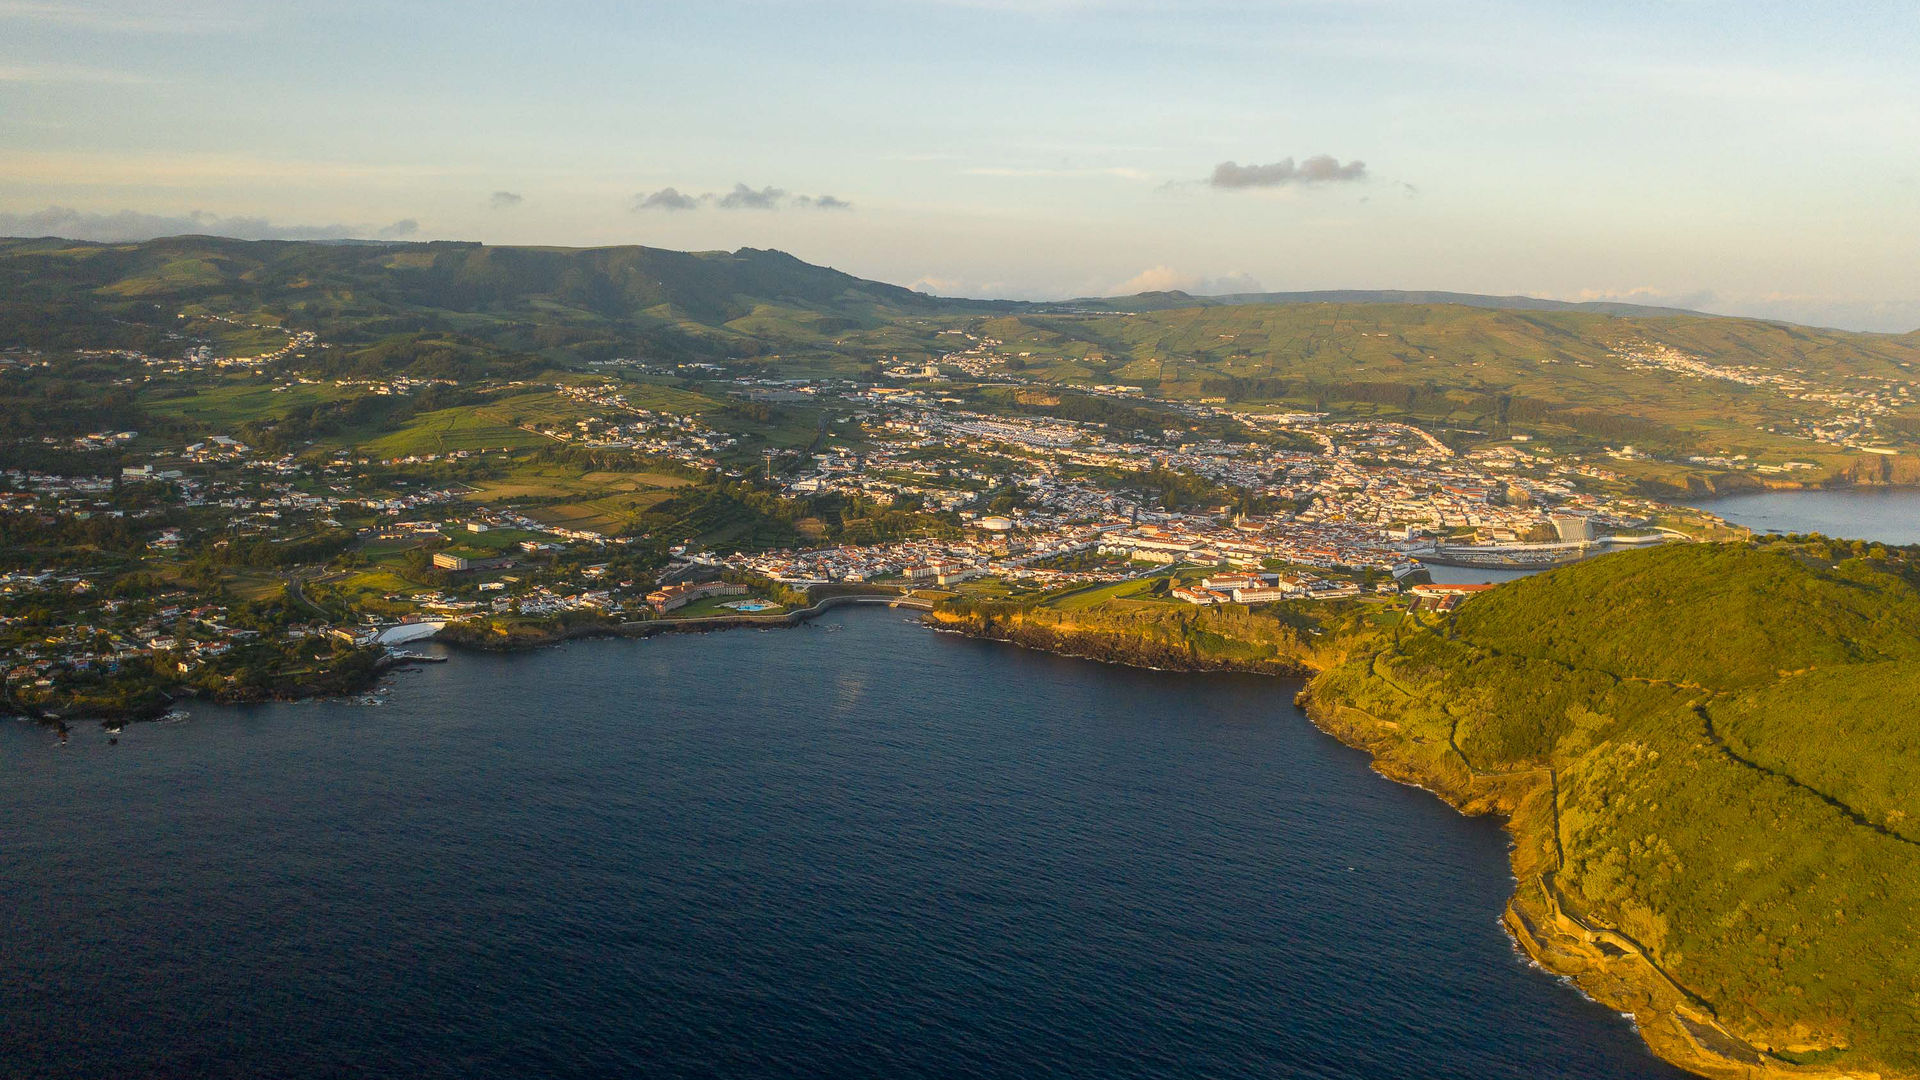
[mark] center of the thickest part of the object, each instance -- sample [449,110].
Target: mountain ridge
[768,263]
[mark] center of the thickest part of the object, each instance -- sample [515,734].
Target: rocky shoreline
[163,703]
[1875,472]
[1106,648]
[462,637]
[1603,962]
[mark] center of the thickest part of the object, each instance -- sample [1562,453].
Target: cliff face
[1606,964]
[1711,802]
[1902,470]
[1172,640]
[1709,798]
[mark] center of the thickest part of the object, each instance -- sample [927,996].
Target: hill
[1677,385]
[1591,378]
[585,302]
[1710,771]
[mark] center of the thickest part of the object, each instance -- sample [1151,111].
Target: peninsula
[1698,753]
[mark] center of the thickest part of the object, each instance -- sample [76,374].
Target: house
[468,560]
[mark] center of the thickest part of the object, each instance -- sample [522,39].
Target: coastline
[1876,473]
[337,681]
[461,637]
[553,634]
[1602,962]
[1108,648]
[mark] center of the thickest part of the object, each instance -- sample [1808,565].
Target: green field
[488,427]
[223,405]
[472,313]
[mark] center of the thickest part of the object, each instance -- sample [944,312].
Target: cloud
[1692,300]
[1320,169]
[1167,279]
[505,200]
[822,202]
[667,198]
[937,285]
[124,225]
[743,197]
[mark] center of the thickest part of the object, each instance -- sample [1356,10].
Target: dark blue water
[858,849]
[1885,515]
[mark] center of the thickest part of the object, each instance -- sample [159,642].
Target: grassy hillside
[453,296]
[1138,622]
[1332,340]
[1709,756]
[1482,367]
[1723,387]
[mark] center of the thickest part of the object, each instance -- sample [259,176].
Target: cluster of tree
[65,399]
[62,540]
[748,515]
[788,596]
[607,459]
[273,551]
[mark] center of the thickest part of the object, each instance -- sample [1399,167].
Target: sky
[1752,157]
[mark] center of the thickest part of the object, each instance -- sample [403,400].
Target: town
[228,562]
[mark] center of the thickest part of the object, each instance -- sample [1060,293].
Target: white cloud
[1167,279]
[1650,295]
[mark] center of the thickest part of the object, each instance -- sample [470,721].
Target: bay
[1884,515]
[856,849]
